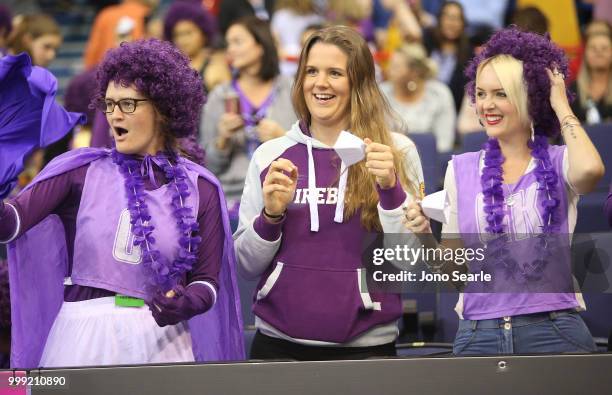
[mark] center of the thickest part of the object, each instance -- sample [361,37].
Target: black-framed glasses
[127,106]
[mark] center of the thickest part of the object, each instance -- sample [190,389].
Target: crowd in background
[421,47]
[246,53]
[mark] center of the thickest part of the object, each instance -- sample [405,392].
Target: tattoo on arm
[569,126]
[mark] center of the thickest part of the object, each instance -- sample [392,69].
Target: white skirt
[96,332]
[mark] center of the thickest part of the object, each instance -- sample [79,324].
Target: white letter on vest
[124,249]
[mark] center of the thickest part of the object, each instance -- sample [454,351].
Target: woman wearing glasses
[134,242]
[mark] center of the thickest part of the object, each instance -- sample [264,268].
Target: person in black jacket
[448,45]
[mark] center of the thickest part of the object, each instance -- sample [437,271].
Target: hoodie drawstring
[312,190]
[341,189]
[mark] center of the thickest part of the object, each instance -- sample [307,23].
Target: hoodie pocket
[270,281]
[315,304]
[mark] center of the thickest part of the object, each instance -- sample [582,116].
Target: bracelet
[571,116]
[273,216]
[569,124]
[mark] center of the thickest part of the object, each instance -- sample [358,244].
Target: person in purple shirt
[305,213]
[518,186]
[115,255]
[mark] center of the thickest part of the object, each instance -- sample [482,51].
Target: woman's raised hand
[415,220]
[558,94]
[279,186]
[379,162]
[227,126]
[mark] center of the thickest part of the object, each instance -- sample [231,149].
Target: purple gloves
[186,303]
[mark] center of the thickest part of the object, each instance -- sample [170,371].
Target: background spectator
[449,46]
[39,36]
[530,19]
[253,108]
[290,20]
[193,30]
[102,35]
[593,86]
[424,104]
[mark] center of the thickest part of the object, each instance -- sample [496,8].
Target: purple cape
[29,116]
[38,265]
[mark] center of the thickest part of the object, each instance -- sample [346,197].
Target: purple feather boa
[492,178]
[547,182]
[491,182]
[162,274]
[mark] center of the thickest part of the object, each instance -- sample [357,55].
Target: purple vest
[523,219]
[38,263]
[109,260]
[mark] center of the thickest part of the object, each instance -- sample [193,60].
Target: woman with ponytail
[306,213]
[516,190]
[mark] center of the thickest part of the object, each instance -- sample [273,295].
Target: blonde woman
[424,104]
[306,251]
[517,197]
[594,83]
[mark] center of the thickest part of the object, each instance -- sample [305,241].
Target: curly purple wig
[161,73]
[193,12]
[537,53]
[6,24]
[5,300]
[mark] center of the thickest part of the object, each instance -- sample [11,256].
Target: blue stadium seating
[601,136]
[590,207]
[426,146]
[472,142]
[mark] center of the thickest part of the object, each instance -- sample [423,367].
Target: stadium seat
[472,142]
[426,145]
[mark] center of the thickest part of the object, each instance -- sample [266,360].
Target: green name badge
[128,301]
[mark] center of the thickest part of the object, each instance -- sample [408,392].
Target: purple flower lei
[491,182]
[161,273]
[492,178]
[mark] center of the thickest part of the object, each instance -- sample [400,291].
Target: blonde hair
[509,71]
[584,74]
[369,115]
[417,59]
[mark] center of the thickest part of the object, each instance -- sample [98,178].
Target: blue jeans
[551,332]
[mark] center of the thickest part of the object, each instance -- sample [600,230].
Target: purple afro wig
[193,12]
[5,300]
[6,24]
[537,53]
[161,73]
